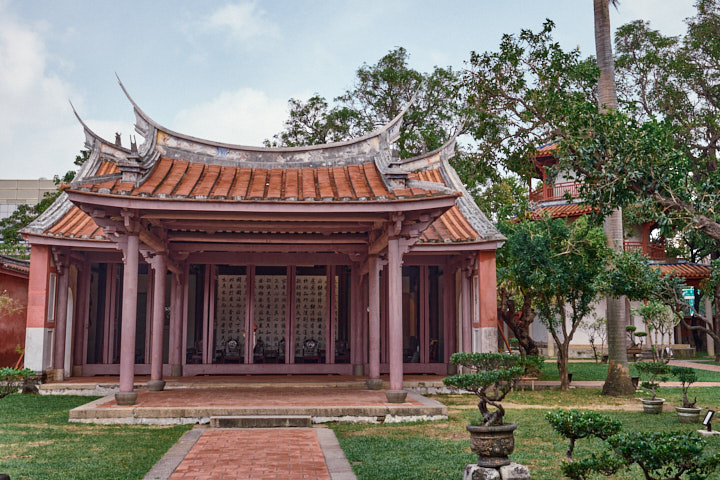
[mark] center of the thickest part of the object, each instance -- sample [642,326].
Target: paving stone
[514,471]
[476,472]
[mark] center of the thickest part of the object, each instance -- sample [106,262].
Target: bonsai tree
[655,372]
[660,321]
[687,376]
[640,336]
[492,377]
[630,329]
[574,424]
[660,456]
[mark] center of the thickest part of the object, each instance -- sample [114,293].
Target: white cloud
[243,21]
[38,135]
[245,116]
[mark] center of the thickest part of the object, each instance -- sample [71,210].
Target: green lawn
[587,371]
[440,450]
[37,442]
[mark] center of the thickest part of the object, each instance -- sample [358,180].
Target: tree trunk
[519,322]
[618,380]
[562,365]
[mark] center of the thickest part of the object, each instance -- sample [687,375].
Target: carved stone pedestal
[514,471]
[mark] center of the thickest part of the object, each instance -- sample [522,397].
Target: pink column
[449,314]
[290,315]
[82,310]
[175,333]
[395,321]
[374,319]
[330,315]
[355,295]
[466,283]
[158,323]
[129,318]
[249,313]
[61,322]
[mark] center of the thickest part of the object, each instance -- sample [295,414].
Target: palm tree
[618,380]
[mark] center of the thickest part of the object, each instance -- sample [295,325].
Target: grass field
[38,443]
[440,450]
[588,371]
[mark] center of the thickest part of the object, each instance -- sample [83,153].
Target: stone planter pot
[688,415]
[652,406]
[492,445]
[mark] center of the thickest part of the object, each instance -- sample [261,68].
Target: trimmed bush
[575,424]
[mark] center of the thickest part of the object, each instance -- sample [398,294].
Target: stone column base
[125,398]
[514,471]
[374,383]
[396,396]
[176,370]
[156,385]
[76,371]
[359,370]
[58,375]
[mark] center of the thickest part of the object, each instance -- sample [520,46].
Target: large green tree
[380,92]
[559,264]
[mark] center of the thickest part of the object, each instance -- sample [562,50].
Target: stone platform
[197,404]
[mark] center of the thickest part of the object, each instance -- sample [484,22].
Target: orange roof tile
[182,179]
[688,271]
[569,210]
[452,226]
[76,224]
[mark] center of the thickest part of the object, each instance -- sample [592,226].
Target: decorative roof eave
[440,159]
[435,247]
[169,143]
[263,206]
[103,243]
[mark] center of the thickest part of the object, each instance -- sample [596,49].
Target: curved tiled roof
[173,166]
[180,179]
[567,210]
[688,271]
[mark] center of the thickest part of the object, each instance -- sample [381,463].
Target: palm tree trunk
[618,380]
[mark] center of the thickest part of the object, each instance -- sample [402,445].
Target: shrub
[574,424]
[660,456]
[665,455]
[655,372]
[493,376]
[687,376]
[13,378]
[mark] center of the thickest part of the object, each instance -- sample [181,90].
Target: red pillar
[374,320]
[449,313]
[61,322]
[175,334]
[82,310]
[395,321]
[355,327]
[129,318]
[158,323]
[466,282]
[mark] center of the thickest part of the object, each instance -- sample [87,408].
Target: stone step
[261,421]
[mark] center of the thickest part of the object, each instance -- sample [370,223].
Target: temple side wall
[485,321]
[38,333]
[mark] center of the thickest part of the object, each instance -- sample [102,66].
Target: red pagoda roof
[179,179]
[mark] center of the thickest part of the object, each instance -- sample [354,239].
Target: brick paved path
[259,453]
[698,365]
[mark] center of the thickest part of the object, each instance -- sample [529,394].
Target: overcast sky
[225,70]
